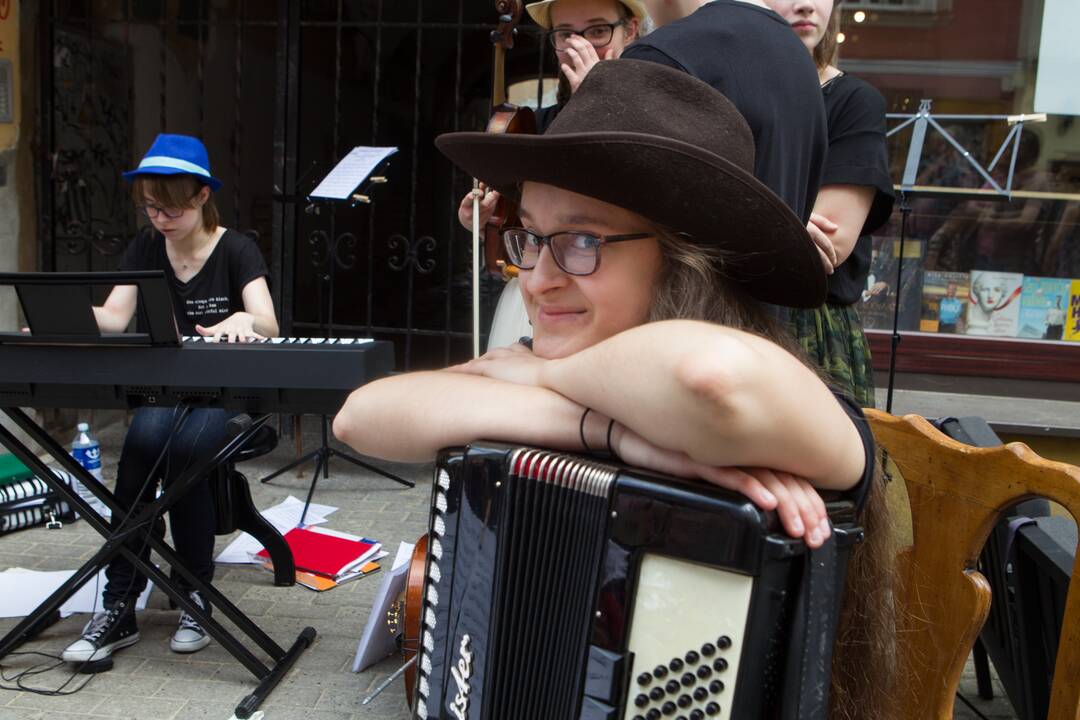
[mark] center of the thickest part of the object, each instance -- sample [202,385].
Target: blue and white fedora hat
[176,155]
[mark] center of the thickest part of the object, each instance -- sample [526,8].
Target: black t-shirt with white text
[752,56]
[216,291]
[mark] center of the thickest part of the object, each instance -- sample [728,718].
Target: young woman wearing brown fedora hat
[646,252]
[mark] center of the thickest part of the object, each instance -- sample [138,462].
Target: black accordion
[564,588]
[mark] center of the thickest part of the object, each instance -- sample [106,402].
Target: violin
[505,118]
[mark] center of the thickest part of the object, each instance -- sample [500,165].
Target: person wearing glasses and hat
[646,252]
[581,33]
[218,282]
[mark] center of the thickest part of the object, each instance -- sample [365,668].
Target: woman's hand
[579,59]
[487,208]
[237,327]
[516,364]
[797,503]
[821,230]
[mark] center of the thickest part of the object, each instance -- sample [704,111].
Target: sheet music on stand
[350,172]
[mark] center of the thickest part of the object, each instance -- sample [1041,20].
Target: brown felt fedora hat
[671,148]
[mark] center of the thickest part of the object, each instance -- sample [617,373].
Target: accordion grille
[550,550]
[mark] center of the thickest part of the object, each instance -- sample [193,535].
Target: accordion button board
[561,587]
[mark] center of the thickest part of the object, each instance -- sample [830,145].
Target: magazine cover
[878,301]
[994,305]
[1072,324]
[1044,304]
[944,301]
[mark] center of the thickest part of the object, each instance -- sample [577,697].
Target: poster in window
[1044,304]
[877,306]
[1072,323]
[944,302]
[994,306]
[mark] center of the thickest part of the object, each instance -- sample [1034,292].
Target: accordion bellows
[562,587]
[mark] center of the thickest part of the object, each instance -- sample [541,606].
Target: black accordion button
[704,671]
[700,694]
[692,657]
[708,649]
[672,686]
[712,709]
[638,717]
[688,679]
[681,717]
[653,714]
[660,672]
[716,686]
[719,664]
[644,678]
[676,664]
[696,714]
[669,708]
[684,701]
[657,693]
[723,642]
[641,700]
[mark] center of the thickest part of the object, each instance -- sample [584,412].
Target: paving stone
[140,708]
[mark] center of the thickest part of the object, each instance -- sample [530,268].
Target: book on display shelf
[877,305]
[1072,322]
[994,305]
[944,301]
[1044,305]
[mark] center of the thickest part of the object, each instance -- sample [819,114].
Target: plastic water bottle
[87,451]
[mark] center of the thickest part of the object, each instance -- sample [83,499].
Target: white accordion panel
[688,622]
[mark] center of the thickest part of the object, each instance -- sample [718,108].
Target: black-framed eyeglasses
[598,35]
[152,211]
[576,253]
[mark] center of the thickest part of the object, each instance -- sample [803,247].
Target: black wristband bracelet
[610,427]
[581,430]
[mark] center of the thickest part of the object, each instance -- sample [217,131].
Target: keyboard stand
[322,455]
[141,522]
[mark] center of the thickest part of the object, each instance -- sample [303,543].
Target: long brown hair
[827,51]
[175,192]
[692,287]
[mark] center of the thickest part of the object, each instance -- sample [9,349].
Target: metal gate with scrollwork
[279,90]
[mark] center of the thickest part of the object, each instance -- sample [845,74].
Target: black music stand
[42,295]
[354,191]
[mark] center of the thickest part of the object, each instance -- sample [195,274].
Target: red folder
[324,554]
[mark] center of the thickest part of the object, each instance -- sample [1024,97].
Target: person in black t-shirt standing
[218,282]
[748,53]
[855,199]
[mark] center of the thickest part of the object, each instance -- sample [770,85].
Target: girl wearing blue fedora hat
[218,282]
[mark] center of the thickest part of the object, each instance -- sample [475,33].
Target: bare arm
[115,314]
[257,319]
[721,396]
[847,206]
[410,417]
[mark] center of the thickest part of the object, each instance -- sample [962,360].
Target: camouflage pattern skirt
[832,338]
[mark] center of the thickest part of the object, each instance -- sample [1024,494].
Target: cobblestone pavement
[152,683]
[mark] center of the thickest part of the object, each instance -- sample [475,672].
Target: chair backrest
[957,494]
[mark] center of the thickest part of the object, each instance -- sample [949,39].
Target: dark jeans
[192,517]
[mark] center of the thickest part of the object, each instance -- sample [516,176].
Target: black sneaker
[106,633]
[190,636]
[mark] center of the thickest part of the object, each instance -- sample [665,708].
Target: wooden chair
[957,493]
